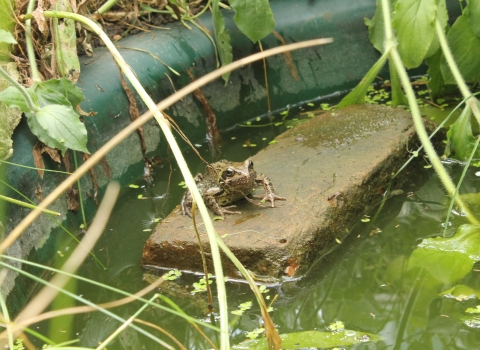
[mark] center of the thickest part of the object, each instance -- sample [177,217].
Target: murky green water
[362,283]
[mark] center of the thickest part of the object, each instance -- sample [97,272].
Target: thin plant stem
[29,42]
[125,325]
[177,311]
[27,205]
[106,6]
[82,300]
[20,88]
[416,115]
[202,254]
[33,168]
[266,78]
[447,53]
[6,315]
[80,192]
[55,221]
[457,188]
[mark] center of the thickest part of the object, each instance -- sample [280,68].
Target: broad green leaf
[254,18]
[313,340]
[465,46]
[13,98]
[357,95]
[51,97]
[6,37]
[472,12]
[448,259]
[414,22]
[66,88]
[442,16]
[460,140]
[222,37]
[59,127]
[461,292]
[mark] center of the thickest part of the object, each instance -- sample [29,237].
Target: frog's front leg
[187,198]
[269,194]
[211,202]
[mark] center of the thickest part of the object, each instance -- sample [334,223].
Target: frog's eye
[229,172]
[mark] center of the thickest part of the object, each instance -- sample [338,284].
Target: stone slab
[330,168]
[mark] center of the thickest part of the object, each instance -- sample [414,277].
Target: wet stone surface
[330,168]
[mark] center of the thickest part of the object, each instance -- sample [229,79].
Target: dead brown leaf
[38,159]
[41,21]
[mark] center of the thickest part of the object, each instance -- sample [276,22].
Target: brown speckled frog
[224,183]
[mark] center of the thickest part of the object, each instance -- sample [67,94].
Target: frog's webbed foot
[271,198]
[269,191]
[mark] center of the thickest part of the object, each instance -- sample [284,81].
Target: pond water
[362,283]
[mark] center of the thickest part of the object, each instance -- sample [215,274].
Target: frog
[224,183]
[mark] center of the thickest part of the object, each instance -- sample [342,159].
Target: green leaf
[13,98]
[461,292]
[6,37]
[460,140]
[436,83]
[254,18]
[448,259]
[465,46]
[414,22]
[472,12]
[64,86]
[222,37]
[376,27]
[357,95]
[313,340]
[398,97]
[51,97]
[59,127]
[442,16]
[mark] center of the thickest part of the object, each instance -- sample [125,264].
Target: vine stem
[29,42]
[447,53]
[390,44]
[23,91]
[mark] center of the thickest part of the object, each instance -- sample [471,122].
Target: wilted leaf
[465,46]
[66,56]
[41,21]
[414,22]
[9,117]
[6,37]
[254,18]
[38,159]
[59,127]
[448,259]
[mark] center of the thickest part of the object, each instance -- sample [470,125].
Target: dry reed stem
[47,294]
